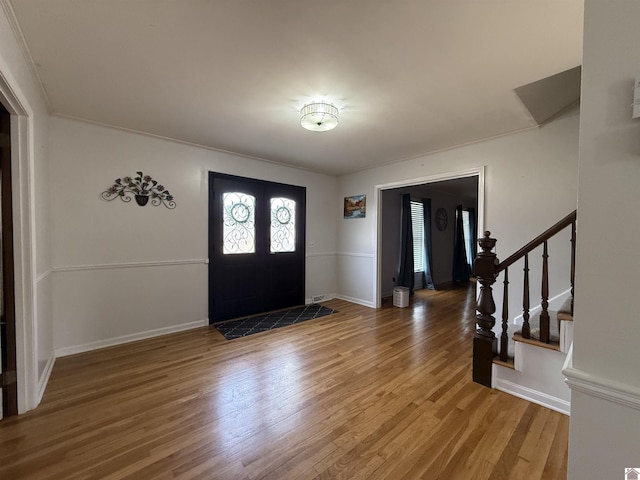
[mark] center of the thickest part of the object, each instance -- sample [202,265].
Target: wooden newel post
[484,341]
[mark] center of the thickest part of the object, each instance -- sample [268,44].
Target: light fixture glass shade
[319,116]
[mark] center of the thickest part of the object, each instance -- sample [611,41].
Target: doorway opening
[8,370]
[447,194]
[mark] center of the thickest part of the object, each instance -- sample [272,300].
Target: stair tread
[565,316]
[554,327]
[552,345]
[564,313]
[509,363]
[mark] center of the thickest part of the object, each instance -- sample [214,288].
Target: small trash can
[400,297]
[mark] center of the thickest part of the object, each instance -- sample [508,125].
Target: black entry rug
[268,321]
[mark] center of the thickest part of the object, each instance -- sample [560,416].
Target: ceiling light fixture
[319,116]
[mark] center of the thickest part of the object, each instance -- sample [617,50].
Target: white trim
[600,387]
[518,356]
[103,266]
[438,177]
[182,142]
[526,393]
[560,298]
[377,189]
[566,336]
[22,155]
[44,379]
[355,254]
[320,254]
[63,352]
[454,147]
[24,49]
[358,301]
[44,275]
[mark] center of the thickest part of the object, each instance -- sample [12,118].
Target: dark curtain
[428,249]
[472,242]
[461,271]
[406,275]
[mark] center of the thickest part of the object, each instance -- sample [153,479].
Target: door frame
[30,385]
[261,183]
[377,194]
[8,373]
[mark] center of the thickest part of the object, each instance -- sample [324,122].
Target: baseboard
[358,301]
[444,285]
[87,347]
[44,380]
[526,393]
[322,297]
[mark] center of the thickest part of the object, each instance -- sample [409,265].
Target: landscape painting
[355,206]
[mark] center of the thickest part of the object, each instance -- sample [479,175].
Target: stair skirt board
[566,335]
[537,377]
[555,303]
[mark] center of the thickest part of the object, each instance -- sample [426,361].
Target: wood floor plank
[361,394]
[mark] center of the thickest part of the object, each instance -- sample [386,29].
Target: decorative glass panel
[238,218]
[283,225]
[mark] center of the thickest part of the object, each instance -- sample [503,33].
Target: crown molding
[9,12]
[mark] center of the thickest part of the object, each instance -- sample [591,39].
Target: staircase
[526,355]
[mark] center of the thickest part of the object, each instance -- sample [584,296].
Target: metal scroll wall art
[143,188]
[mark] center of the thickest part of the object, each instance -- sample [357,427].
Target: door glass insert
[283,225]
[238,218]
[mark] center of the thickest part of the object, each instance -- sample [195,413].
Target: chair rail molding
[103,266]
[600,387]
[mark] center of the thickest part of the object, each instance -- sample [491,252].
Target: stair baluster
[504,338]
[544,315]
[526,328]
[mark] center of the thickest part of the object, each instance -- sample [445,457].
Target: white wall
[21,94]
[112,281]
[530,183]
[605,416]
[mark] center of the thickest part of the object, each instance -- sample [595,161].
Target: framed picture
[355,206]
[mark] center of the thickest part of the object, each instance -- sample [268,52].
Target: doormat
[268,321]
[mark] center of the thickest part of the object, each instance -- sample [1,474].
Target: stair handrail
[536,242]
[486,268]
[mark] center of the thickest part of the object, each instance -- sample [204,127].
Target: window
[238,216]
[417,224]
[283,225]
[468,236]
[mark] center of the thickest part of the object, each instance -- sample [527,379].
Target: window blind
[417,224]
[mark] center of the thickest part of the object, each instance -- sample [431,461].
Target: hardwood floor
[361,394]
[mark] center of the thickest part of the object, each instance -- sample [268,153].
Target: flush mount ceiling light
[319,116]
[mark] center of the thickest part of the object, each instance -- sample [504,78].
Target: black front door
[256,246]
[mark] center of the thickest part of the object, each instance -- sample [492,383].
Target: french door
[256,246]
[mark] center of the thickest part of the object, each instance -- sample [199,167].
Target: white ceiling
[409,76]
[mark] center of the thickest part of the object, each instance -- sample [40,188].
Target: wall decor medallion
[355,206]
[142,188]
[441,219]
